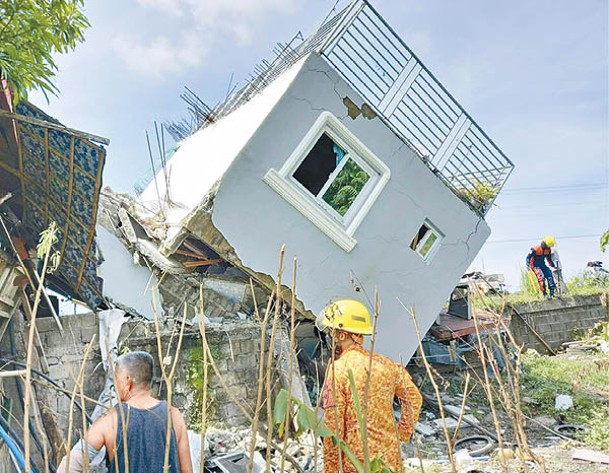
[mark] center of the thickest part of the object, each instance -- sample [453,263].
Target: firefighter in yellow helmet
[347,321]
[536,261]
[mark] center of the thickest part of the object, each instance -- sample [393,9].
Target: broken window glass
[330,173]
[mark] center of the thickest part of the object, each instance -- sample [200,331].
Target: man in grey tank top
[134,432]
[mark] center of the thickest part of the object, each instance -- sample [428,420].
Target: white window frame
[434,247]
[338,228]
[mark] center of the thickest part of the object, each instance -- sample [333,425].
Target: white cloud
[189,30]
[167,6]
[162,55]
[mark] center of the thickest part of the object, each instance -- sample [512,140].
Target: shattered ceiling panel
[60,175]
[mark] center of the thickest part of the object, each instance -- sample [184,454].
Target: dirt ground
[557,460]
[556,452]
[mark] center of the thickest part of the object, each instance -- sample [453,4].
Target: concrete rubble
[221,442]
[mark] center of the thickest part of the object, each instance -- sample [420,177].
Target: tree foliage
[346,187]
[604,241]
[31,32]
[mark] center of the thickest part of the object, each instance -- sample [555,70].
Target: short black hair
[139,365]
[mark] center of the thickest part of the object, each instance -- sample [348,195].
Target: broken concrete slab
[456,412]
[592,456]
[117,268]
[450,423]
[425,429]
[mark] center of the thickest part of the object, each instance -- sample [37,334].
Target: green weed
[195,378]
[581,284]
[598,431]
[586,379]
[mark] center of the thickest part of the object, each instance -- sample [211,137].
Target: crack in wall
[466,242]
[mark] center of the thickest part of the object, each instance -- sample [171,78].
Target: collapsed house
[346,149]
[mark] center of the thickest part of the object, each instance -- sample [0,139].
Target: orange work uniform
[388,378]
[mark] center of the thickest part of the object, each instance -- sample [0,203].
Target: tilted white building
[347,150]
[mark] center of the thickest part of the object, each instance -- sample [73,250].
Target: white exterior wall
[202,159]
[256,221]
[117,268]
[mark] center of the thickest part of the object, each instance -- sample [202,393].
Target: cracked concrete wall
[257,226]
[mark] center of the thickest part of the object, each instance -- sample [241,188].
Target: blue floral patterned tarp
[61,176]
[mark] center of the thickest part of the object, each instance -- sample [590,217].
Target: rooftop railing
[375,61]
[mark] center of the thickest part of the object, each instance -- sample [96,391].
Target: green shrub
[480,193]
[582,284]
[196,380]
[585,379]
[598,431]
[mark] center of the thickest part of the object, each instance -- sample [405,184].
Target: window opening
[330,173]
[425,240]
[332,179]
[419,236]
[428,244]
[317,166]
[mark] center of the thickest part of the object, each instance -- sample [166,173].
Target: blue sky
[534,75]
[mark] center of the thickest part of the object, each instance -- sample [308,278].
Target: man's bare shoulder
[176,415]
[102,429]
[106,418]
[109,415]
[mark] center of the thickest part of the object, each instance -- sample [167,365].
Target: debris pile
[223,445]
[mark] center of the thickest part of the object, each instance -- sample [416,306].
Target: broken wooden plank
[191,254]
[194,248]
[207,262]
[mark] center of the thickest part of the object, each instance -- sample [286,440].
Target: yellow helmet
[550,241]
[345,314]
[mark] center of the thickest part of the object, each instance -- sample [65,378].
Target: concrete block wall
[64,355]
[558,320]
[235,347]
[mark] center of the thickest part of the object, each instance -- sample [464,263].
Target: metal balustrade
[375,61]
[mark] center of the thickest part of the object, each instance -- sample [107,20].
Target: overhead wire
[579,203]
[567,237]
[48,380]
[565,188]
[532,213]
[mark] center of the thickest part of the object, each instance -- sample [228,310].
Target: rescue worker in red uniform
[347,321]
[536,262]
